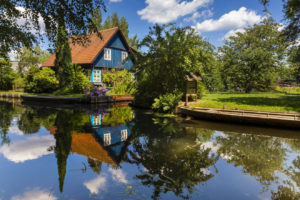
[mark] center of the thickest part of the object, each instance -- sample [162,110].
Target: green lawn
[276,102]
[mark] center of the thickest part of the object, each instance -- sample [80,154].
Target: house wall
[117,46]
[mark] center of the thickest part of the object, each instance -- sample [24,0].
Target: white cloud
[36,194]
[118,175]
[115,1]
[28,149]
[214,148]
[233,33]
[14,129]
[158,11]
[233,20]
[196,16]
[22,21]
[96,184]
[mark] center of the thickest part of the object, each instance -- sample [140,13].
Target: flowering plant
[95,92]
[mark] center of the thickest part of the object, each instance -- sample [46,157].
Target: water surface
[61,152]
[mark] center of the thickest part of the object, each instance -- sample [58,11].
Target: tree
[7,75]
[115,21]
[41,81]
[294,61]
[28,58]
[251,59]
[172,158]
[13,35]
[6,116]
[291,9]
[97,18]
[171,53]
[261,157]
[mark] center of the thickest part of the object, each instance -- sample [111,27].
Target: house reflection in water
[113,139]
[103,143]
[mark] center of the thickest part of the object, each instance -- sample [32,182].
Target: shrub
[167,103]
[202,90]
[43,81]
[80,81]
[19,82]
[7,75]
[121,81]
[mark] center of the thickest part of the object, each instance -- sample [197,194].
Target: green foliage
[294,61]
[41,81]
[171,155]
[251,59]
[202,90]
[261,162]
[115,21]
[28,58]
[166,103]
[291,9]
[63,57]
[19,82]
[79,81]
[118,116]
[288,90]
[7,75]
[15,35]
[171,53]
[121,81]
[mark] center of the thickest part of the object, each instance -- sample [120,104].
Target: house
[100,55]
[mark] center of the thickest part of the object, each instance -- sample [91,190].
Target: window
[97,120]
[123,135]
[97,75]
[107,139]
[107,54]
[124,55]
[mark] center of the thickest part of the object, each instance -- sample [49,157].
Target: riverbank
[270,102]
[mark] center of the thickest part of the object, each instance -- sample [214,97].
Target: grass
[44,94]
[275,102]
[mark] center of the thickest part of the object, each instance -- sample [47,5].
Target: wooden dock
[276,119]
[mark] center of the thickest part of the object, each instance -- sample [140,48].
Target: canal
[61,152]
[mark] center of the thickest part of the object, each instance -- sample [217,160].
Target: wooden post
[196,90]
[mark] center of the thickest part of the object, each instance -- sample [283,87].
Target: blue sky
[213,19]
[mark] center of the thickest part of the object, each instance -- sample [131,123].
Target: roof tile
[86,54]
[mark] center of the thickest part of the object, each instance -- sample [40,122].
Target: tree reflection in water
[168,157]
[259,156]
[171,156]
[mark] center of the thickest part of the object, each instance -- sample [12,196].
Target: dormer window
[124,55]
[107,54]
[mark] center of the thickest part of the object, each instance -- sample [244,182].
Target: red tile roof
[88,53]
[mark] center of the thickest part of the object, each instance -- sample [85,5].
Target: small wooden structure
[191,88]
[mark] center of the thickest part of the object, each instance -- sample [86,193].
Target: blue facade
[117,46]
[116,143]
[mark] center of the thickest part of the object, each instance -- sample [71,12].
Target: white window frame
[107,54]
[107,139]
[97,75]
[124,55]
[97,120]
[124,135]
